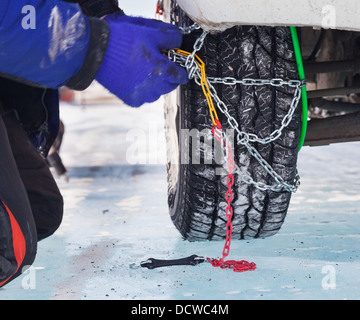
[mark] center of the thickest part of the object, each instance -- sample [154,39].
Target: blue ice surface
[116,214]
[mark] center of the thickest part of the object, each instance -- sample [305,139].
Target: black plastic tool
[152,263]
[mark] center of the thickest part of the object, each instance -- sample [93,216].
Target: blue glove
[134,68]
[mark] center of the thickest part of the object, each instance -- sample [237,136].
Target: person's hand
[134,67]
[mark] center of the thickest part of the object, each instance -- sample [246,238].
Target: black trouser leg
[29,193]
[44,195]
[18,237]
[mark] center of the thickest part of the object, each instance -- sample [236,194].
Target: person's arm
[124,54]
[64,48]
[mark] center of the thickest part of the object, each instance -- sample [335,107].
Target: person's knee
[18,246]
[12,266]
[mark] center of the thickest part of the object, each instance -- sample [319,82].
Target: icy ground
[116,214]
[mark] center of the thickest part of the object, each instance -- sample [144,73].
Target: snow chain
[196,70]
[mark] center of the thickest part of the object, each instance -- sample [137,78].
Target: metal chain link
[243,138]
[257,82]
[188,30]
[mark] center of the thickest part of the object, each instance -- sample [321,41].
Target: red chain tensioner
[237,266]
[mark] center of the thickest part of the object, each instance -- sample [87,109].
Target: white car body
[218,15]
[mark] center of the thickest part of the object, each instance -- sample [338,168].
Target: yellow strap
[204,85]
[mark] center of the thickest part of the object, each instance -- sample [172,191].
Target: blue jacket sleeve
[49,43]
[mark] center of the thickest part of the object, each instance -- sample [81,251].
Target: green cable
[301,71]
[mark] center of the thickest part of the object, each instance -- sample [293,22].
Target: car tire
[196,190]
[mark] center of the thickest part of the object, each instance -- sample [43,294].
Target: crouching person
[71,44]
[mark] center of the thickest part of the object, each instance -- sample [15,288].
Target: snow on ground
[116,214]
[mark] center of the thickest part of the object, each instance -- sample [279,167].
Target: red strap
[19,243]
